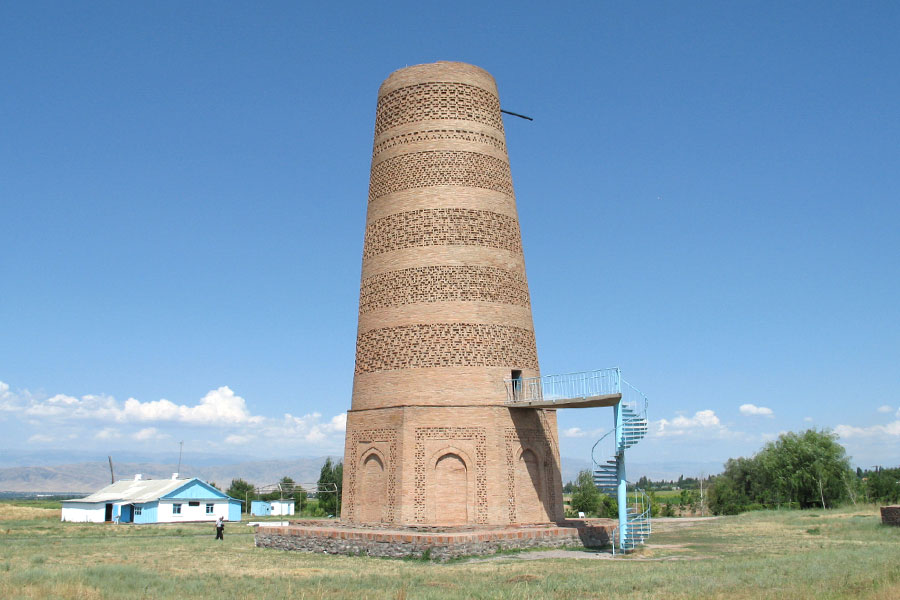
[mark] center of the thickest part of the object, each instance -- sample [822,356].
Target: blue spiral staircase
[609,469]
[595,389]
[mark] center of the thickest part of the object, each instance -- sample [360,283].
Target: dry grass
[762,555]
[11,512]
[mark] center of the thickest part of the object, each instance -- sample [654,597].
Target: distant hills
[87,472]
[91,476]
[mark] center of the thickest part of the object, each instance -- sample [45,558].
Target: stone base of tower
[451,466]
[439,543]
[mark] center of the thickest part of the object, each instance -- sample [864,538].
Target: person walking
[220,528]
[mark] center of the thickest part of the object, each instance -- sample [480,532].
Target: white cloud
[891,430]
[149,433]
[885,408]
[7,400]
[808,419]
[574,432]
[40,438]
[310,429]
[703,423]
[237,440]
[107,433]
[752,409]
[218,407]
[104,417]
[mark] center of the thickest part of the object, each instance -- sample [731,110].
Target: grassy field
[811,554]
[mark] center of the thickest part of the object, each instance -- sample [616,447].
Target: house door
[108,516]
[127,513]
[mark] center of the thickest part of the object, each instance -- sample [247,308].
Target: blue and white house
[262,508]
[153,501]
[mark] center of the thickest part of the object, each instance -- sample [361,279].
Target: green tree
[798,469]
[330,477]
[807,468]
[586,497]
[241,490]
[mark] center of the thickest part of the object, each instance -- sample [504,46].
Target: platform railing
[555,388]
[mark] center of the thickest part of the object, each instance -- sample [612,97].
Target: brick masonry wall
[890,515]
[444,319]
[441,545]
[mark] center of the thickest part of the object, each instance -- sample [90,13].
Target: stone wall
[890,515]
[439,545]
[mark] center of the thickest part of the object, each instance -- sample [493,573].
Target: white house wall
[83,512]
[282,508]
[164,512]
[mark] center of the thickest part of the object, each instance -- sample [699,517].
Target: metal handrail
[597,443]
[565,386]
[645,516]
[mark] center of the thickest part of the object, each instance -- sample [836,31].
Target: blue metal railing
[555,388]
[634,399]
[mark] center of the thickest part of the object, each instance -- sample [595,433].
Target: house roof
[140,490]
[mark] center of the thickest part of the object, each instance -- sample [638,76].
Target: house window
[193,503]
[137,511]
[209,509]
[176,509]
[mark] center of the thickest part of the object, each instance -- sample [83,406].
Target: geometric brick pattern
[445,345]
[537,441]
[444,317]
[388,436]
[451,434]
[430,168]
[442,227]
[444,283]
[440,134]
[437,100]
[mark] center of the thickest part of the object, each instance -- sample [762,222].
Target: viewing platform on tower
[587,389]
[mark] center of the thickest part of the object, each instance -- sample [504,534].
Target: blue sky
[708,198]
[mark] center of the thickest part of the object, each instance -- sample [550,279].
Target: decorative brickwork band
[437,100]
[445,345]
[443,284]
[425,169]
[442,227]
[431,135]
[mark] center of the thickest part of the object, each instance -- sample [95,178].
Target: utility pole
[701,494]
[112,475]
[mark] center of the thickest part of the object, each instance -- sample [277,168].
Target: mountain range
[74,472]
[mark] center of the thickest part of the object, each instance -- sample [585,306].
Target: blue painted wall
[234,510]
[260,508]
[196,490]
[148,513]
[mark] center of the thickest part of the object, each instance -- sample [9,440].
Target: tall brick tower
[444,319]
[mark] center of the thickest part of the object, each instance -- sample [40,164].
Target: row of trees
[799,470]
[327,502]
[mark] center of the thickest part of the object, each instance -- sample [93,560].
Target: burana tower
[444,320]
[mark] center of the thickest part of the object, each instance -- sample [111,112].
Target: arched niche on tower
[450,487]
[530,485]
[372,482]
